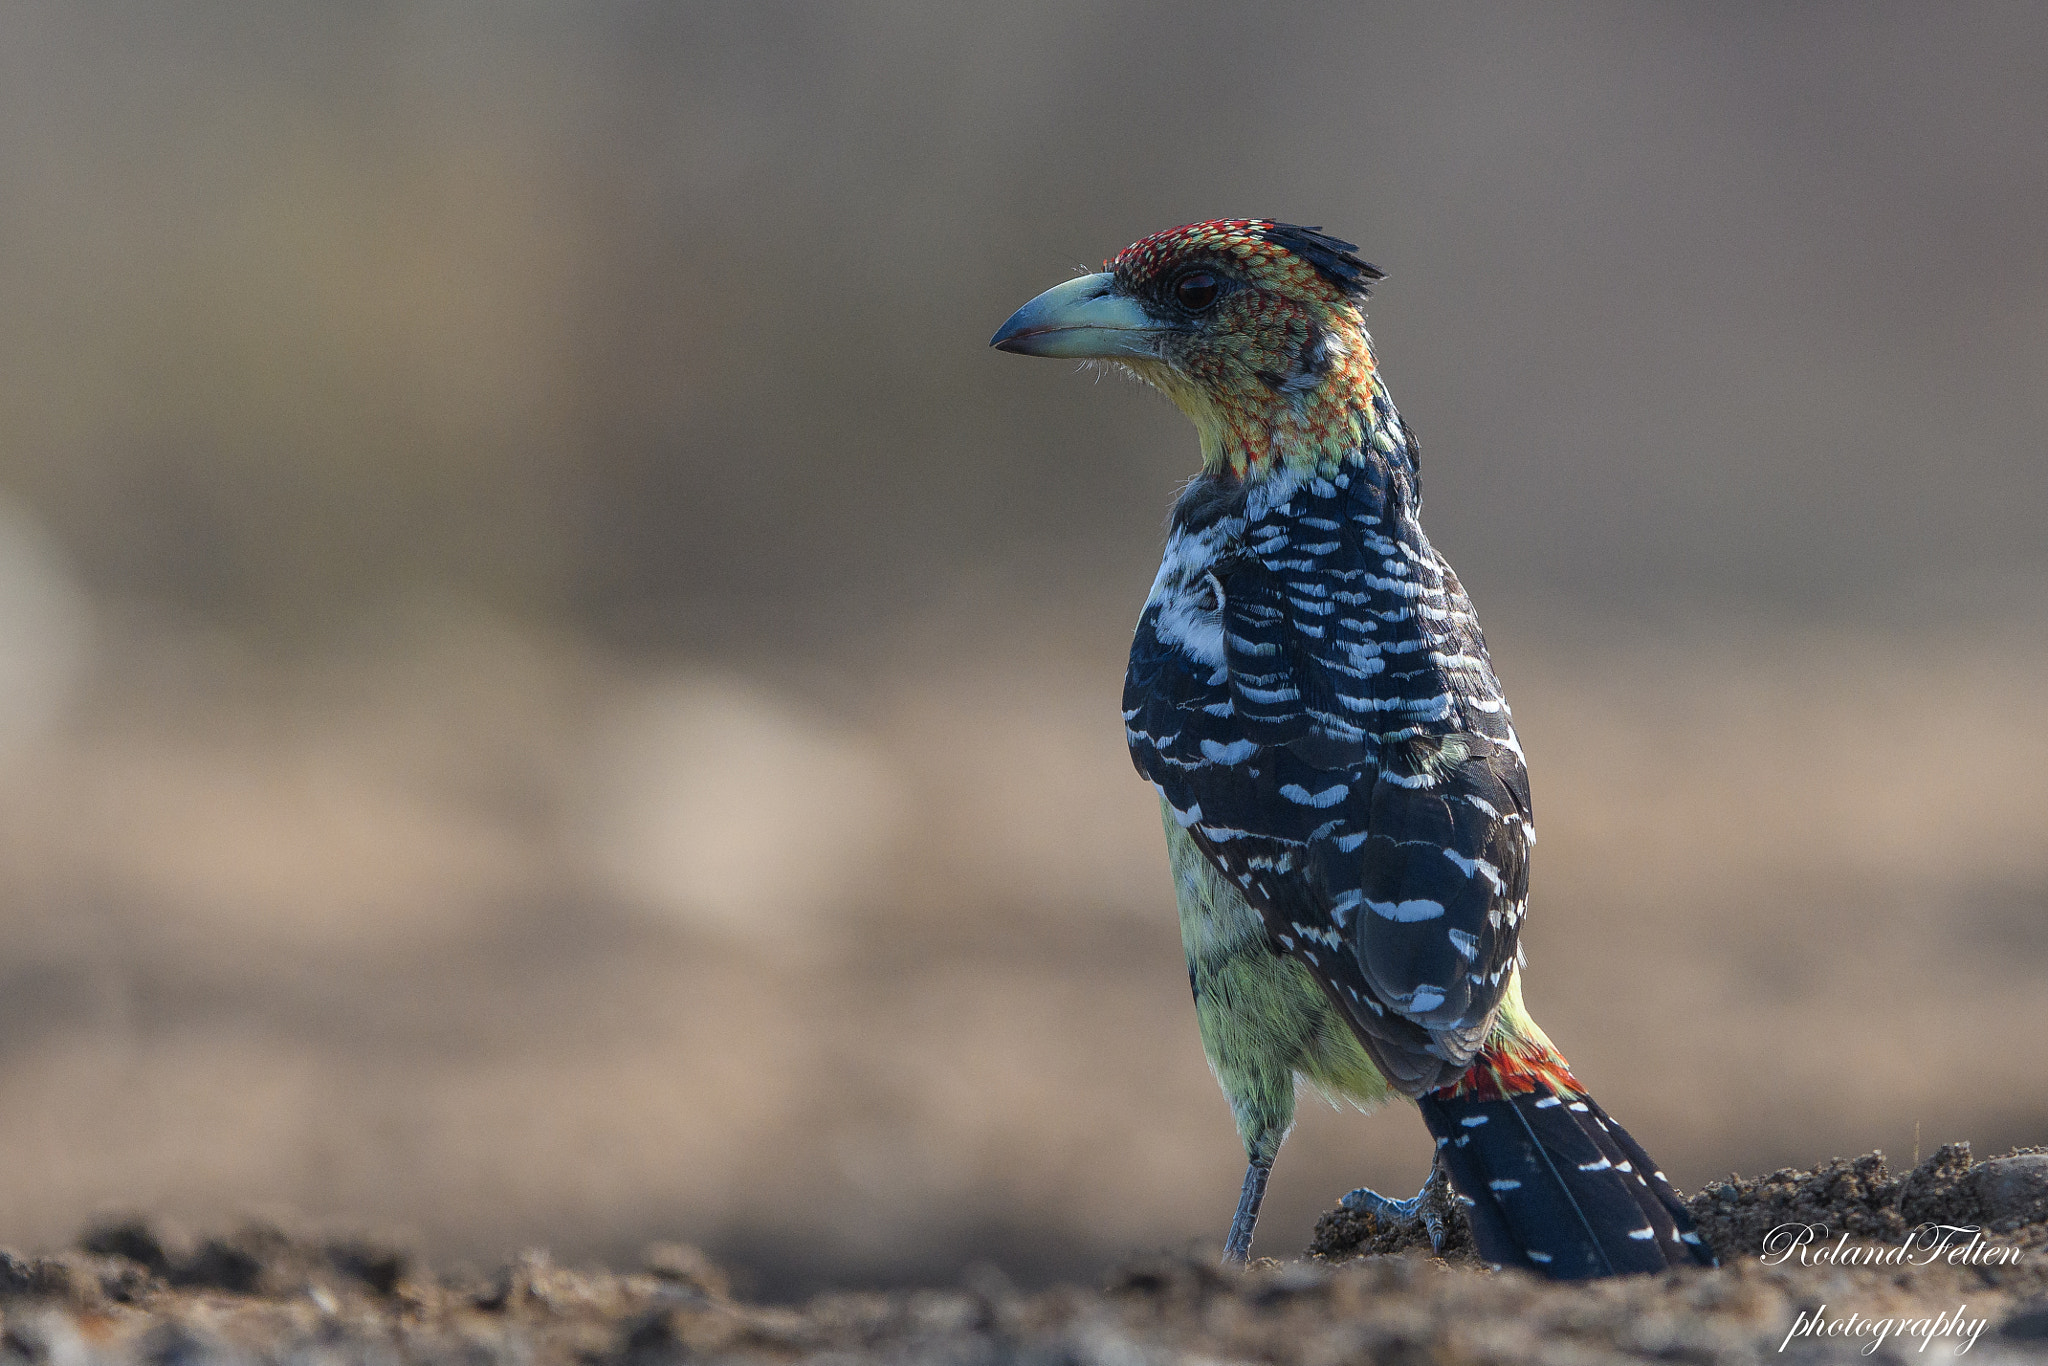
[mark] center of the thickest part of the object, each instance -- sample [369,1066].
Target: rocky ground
[129,1293]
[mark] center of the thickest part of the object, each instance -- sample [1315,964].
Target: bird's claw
[1417,1208]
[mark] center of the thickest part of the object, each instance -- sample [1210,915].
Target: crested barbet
[1345,802]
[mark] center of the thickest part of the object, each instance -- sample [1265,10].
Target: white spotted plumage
[1308,680]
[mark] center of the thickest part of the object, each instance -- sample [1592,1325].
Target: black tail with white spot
[1558,1188]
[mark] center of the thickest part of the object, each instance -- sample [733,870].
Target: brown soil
[130,1293]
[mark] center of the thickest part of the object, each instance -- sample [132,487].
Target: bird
[1345,801]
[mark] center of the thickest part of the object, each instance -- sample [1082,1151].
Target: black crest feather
[1334,259]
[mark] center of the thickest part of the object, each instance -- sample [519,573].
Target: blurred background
[553,691]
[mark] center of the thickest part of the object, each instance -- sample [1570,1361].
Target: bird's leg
[1237,1249]
[1417,1208]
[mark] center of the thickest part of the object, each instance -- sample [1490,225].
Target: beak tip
[1009,336]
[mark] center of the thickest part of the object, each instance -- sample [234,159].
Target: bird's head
[1251,327]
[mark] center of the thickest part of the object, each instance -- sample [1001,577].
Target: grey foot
[1237,1249]
[1418,1208]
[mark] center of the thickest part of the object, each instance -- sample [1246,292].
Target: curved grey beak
[1083,319]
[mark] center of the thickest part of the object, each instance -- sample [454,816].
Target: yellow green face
[1252,327]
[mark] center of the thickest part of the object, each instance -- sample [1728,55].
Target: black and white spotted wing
[1309,690]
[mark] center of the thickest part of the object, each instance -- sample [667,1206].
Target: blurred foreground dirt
[132,1295]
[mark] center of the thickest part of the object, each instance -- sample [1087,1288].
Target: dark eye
[1196,290]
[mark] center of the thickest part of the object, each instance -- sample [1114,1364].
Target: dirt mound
[1854,1196]
[131,1293]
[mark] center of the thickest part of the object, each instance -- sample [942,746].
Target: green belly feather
[1264,1021]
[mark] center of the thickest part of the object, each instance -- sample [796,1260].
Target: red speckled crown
[1281,256]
